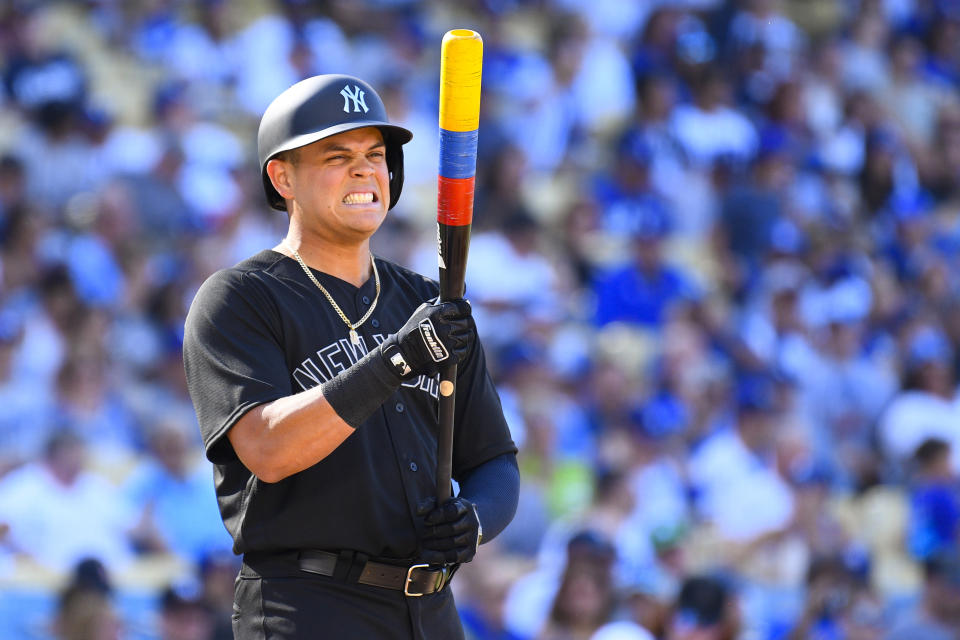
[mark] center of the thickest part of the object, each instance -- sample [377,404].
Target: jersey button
[413,466]
[399,407]
[365,299]
[374,323]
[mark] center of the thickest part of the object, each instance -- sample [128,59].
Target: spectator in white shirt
[739,489]
[709,128]
[41,501]
[927,406]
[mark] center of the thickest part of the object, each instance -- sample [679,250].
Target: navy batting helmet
[320,107]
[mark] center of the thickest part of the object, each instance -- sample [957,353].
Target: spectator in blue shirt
[934,500]
[642,290]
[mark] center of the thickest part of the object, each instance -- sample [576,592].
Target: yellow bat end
[461,62]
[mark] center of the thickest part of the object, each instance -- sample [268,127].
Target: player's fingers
[460,339]
[456,508]
[464,539]
[448,556]
[444,529]
[464,523]
[453,310]
[436,516]
[463,554]
[426,505]
[439,532]
[462,334]
[433,557]
[441,544]
[460,347]
[450,511]
[456,336]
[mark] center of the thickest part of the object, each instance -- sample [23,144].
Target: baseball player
[313,370]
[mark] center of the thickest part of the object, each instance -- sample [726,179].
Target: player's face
[341,184]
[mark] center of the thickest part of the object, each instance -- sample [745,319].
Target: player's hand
[451,532]
[437,334]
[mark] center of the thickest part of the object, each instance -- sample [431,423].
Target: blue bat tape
[458,154]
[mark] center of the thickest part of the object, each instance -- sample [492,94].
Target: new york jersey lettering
[337,356]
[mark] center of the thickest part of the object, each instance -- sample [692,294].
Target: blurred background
[714,266]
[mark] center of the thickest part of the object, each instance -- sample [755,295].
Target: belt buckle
[406,584]
[441,580]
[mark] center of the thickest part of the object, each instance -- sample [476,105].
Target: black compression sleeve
[494,487]
[356,393]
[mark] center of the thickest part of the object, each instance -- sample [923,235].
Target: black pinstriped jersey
[262,330]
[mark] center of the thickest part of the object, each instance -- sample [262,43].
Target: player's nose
[362,167]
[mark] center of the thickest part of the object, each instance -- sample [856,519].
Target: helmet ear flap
[395,166]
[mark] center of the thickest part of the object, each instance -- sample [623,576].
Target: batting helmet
[320,107]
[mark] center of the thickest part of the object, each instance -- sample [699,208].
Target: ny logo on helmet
[357,96]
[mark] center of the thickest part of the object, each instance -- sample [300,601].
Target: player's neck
[349,263]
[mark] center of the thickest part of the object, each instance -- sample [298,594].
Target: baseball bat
[461,61]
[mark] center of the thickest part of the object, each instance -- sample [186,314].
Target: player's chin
[366,219]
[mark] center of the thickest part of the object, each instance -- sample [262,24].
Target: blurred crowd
[713,264]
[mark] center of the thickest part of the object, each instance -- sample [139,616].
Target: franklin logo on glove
[437,351]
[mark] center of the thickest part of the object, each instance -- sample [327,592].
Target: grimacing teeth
[358,198]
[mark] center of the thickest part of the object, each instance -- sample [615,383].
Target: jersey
[262,330]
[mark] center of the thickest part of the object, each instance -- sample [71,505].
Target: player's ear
[281,175]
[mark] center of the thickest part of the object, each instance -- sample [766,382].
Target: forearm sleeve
[494,487]
[356,393]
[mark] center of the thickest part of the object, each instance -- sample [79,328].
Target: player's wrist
[356,393]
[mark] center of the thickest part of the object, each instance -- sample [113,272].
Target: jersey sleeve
[233,356]
[481,432]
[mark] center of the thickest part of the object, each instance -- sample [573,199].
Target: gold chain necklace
[354,338]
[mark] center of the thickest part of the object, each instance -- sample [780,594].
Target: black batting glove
[437,334]
[451,532]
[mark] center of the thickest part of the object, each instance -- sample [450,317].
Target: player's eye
[377,155]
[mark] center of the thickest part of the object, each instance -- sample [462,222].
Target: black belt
[413,580]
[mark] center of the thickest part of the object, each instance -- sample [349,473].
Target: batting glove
[452,532]
[437,334]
